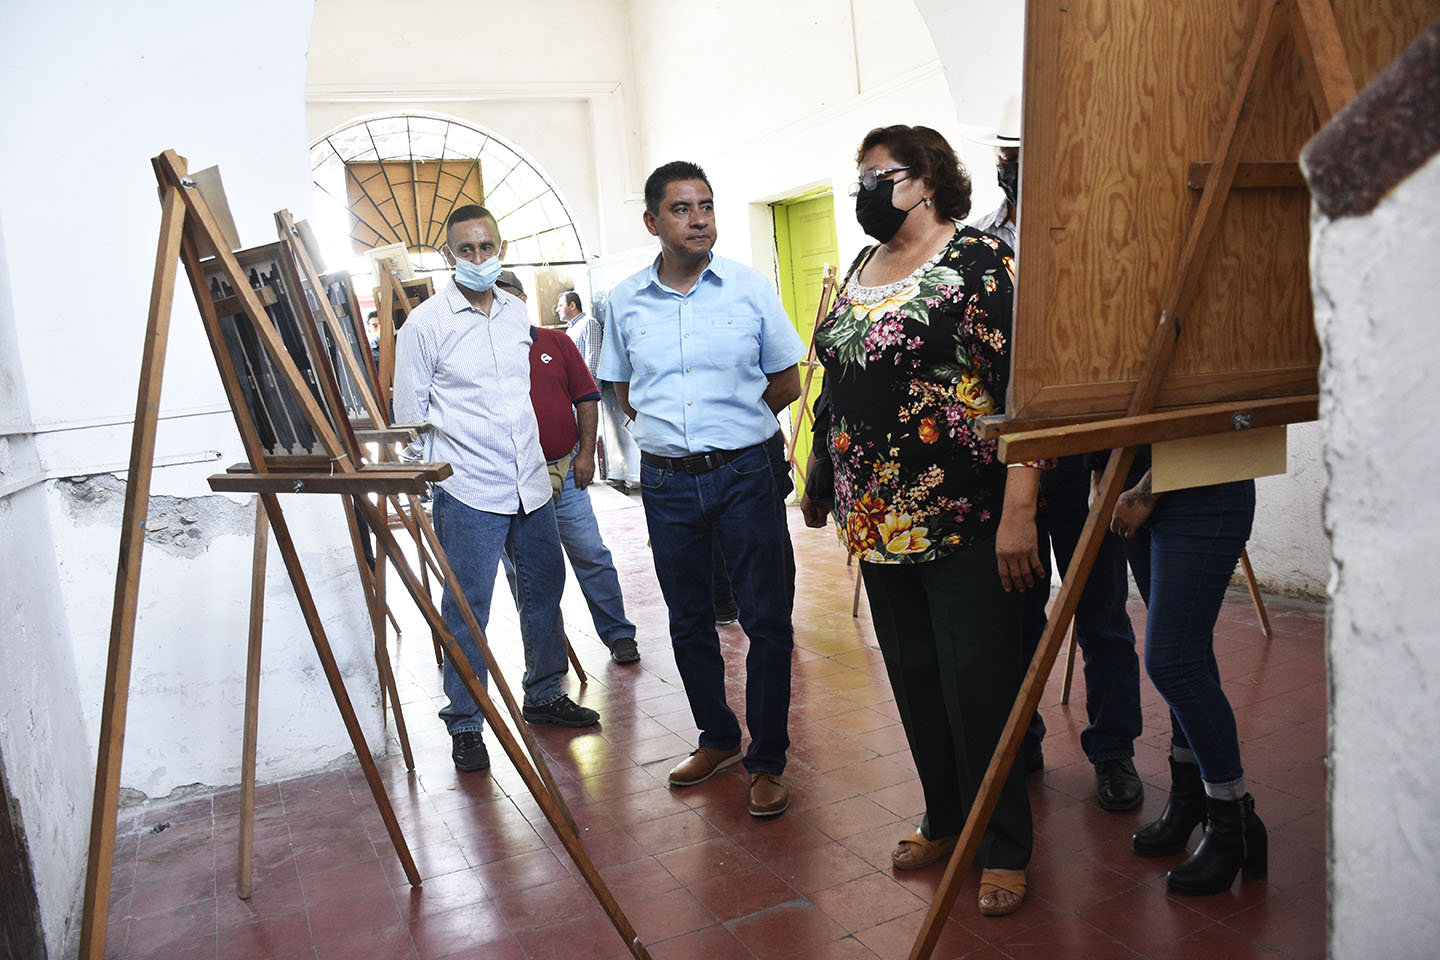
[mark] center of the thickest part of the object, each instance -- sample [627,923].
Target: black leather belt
[695,463]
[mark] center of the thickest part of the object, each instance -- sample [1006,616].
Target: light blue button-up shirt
[697,362]
[468,374]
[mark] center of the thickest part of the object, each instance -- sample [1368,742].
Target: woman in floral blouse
[917,347]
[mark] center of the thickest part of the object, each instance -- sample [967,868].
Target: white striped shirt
[587,333]
[468,374]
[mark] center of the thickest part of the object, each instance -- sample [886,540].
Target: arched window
[394,180]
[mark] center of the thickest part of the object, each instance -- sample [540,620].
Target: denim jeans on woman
[1102,624]
[1183,560]
[473,540]
[736,502]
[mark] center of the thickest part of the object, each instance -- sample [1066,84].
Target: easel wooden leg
[855,600]
[337,682]
[423,559]
[369,582]
[252,704]
[100,860]
[425,585]
[1069,669]
[575,661]
[1255,597]
[466,670]
[537,780]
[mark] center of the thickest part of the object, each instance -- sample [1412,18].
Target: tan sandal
[915,851]
[993,882]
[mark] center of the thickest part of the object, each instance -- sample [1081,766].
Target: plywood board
[1218,458]
[1121,96]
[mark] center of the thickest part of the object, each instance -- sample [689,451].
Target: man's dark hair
[671,172]
[573,298]
[929,156]
[471,211]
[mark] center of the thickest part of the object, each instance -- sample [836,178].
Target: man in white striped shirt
[462,362]
[584,329]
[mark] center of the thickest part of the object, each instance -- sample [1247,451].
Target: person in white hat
[1002,223]
[1102,625]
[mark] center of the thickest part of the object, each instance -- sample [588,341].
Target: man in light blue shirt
[703,357]
[462,362]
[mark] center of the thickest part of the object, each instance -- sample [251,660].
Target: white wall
[88,93]
[551,79]
[36,666]
[1371,276]
[773,99]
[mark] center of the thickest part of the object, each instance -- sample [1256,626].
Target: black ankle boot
[1234,837]
[1182,814]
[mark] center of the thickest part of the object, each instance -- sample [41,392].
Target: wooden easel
[392,297]
[1312,23]
[811,364]
[188,226]
[365,376]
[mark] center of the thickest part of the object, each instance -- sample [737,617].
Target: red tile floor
[698,877]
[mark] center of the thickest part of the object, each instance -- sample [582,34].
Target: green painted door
[806,245]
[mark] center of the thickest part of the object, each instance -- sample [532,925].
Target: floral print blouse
[909,368]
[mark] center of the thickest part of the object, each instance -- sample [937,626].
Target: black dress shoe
[563,712]
[624,651]
[468,751]
[1117,785]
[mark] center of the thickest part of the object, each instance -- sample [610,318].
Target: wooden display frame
[185,220]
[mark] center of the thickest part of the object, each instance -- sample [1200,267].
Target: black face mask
[1007,174]
[877,214]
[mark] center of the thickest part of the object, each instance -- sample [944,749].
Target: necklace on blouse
[865,296]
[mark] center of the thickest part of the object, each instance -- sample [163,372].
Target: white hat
[1007,134]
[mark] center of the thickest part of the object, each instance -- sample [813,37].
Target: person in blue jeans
[1106,638]
[1183,547]
[703,356]
[566,402]
[463,365]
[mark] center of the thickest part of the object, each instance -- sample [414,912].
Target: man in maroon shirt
[566,402]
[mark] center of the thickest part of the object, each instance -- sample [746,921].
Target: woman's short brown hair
[930,157]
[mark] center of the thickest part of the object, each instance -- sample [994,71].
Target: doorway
[805,244]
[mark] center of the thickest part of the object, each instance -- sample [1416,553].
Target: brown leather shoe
[768,796]
[701,765]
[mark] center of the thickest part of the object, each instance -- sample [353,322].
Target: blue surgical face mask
[477,276]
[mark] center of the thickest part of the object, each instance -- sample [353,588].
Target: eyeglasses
[870,179]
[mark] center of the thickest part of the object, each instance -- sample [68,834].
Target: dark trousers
[1102,625]
[737,504]
[1183,560]
[950,636]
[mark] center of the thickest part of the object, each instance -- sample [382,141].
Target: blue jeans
[474,540]
[784,485]
[1102,625]
[591,561]
[738,503]
[1194,538]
